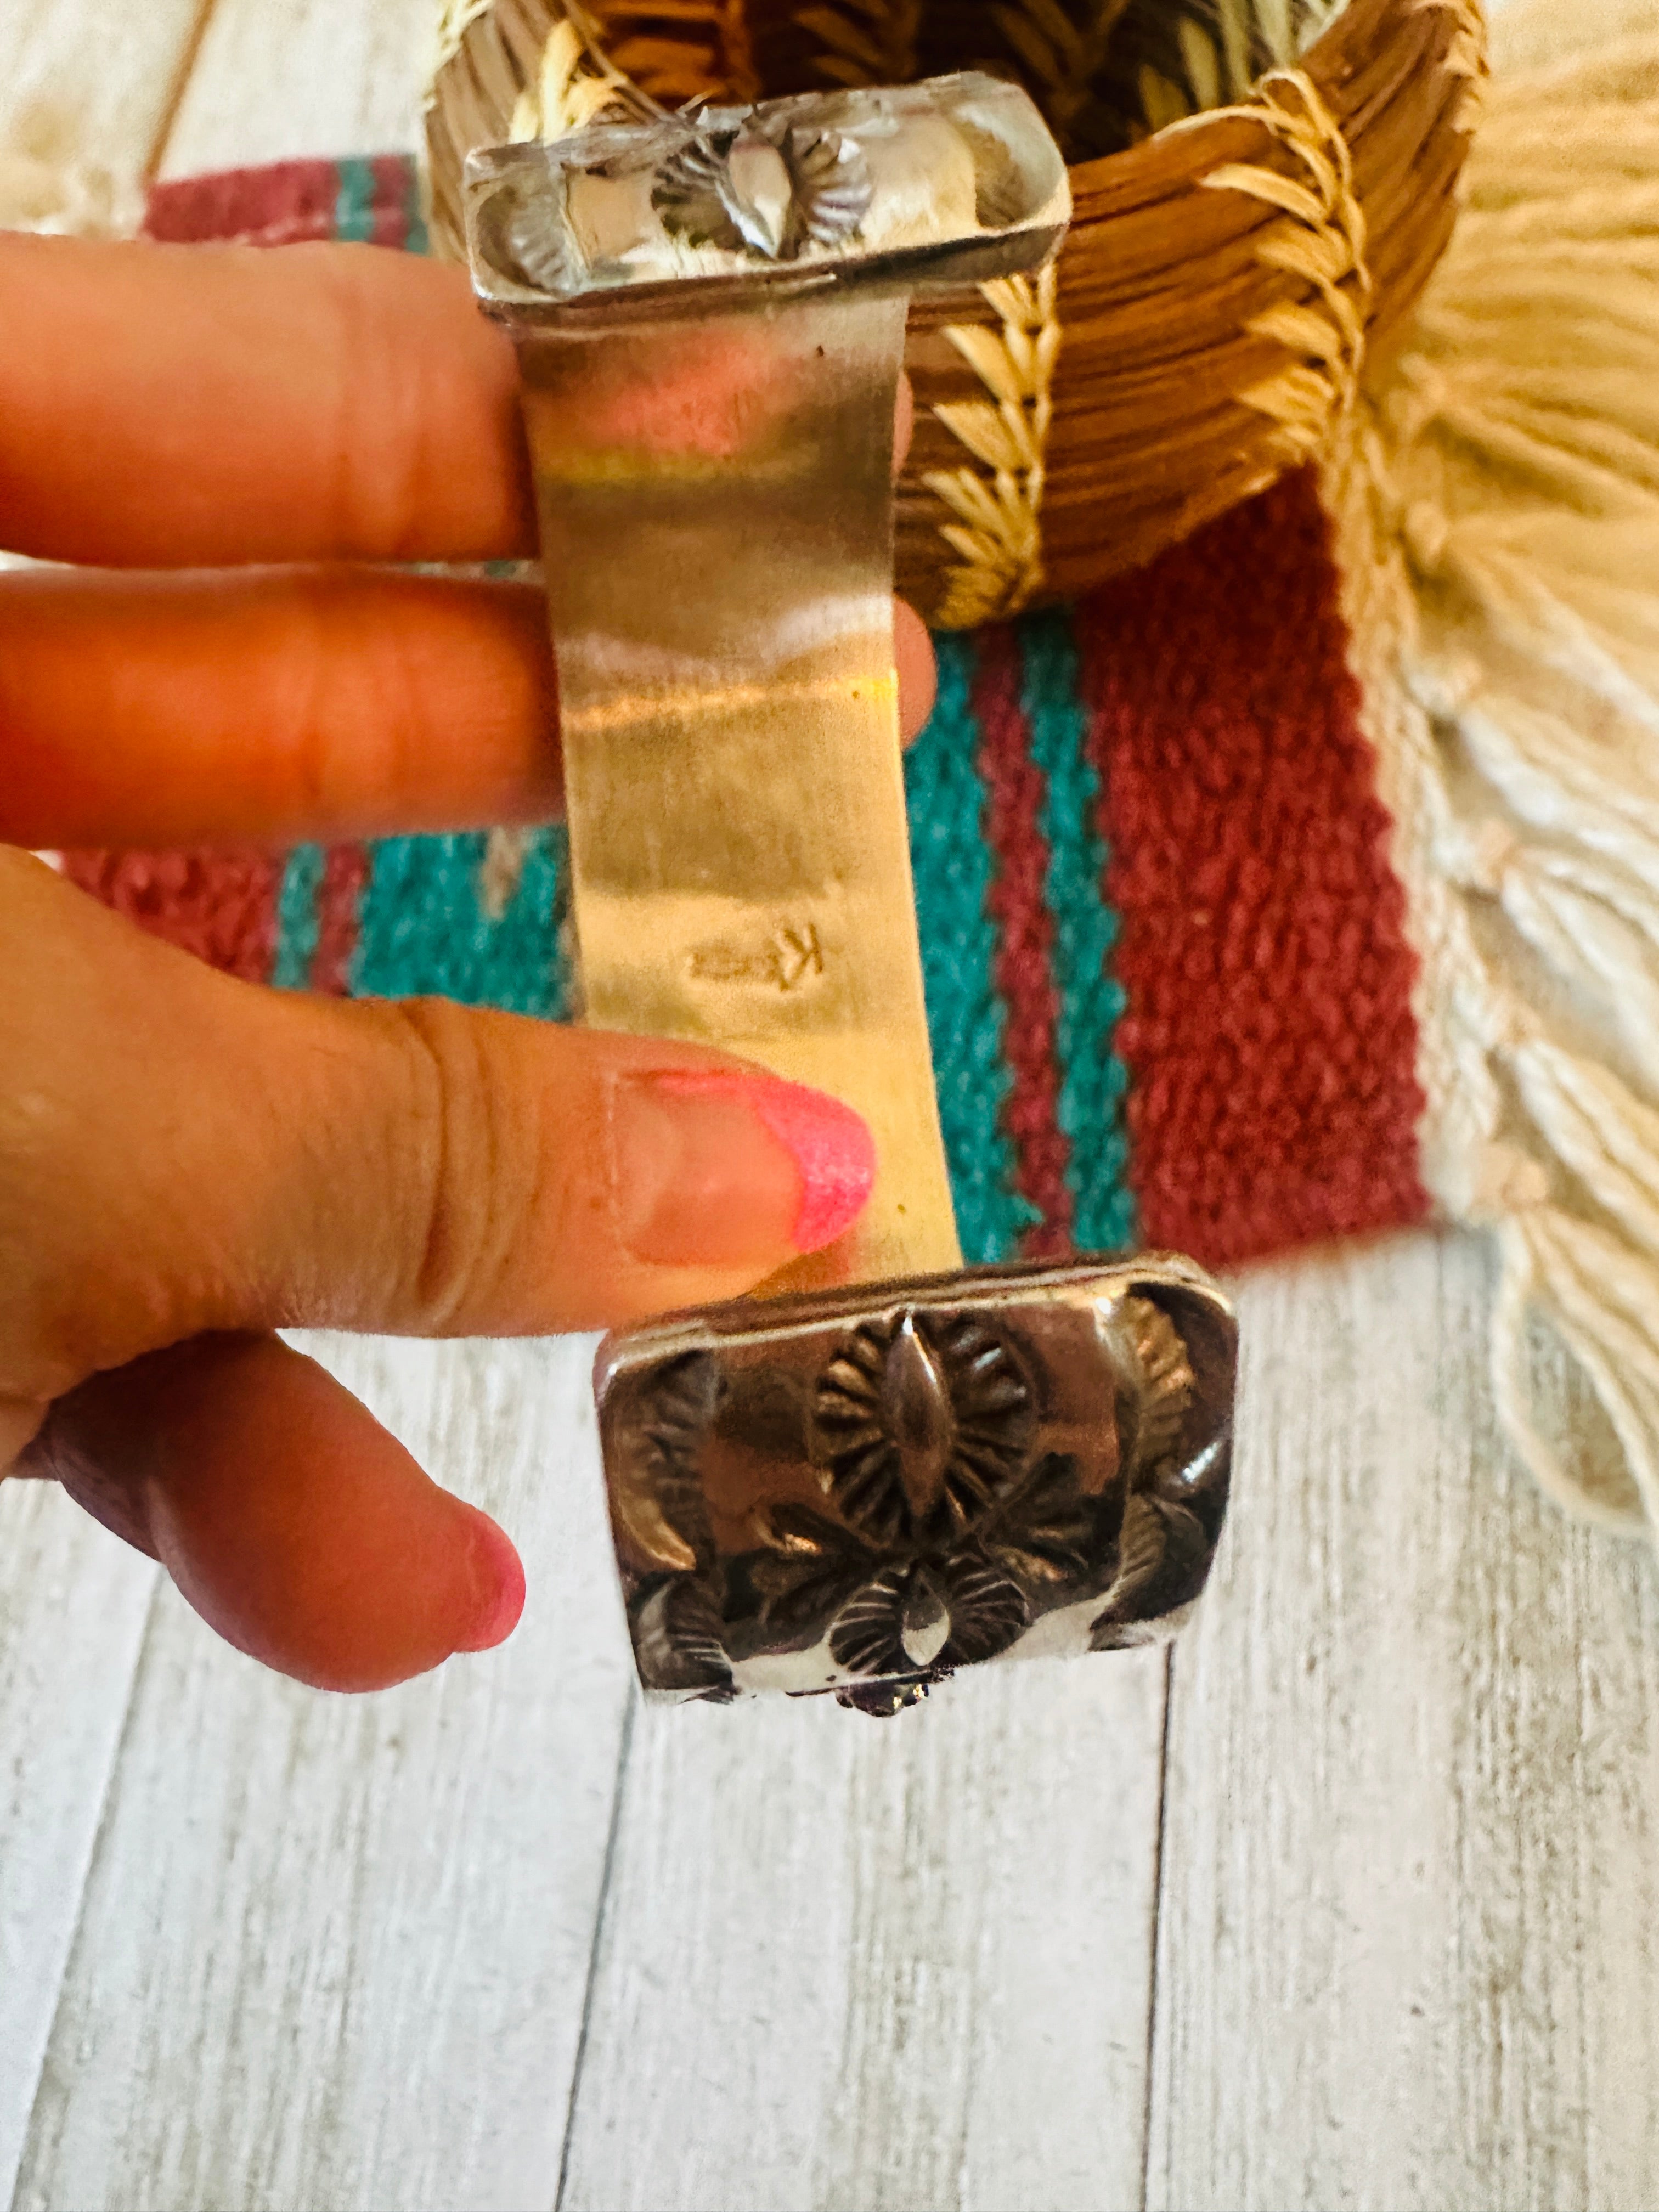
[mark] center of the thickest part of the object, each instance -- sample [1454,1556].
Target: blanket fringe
[1499,498]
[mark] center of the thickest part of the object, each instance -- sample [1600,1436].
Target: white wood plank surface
[274,79]
[73,1604]
[333,1951]
[852,1966]
[1407,1951]
[88,83]
[87,88]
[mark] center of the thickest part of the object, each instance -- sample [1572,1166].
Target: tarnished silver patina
[863,1492]
[886,1467]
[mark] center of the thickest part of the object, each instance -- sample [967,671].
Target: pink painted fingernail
[499,1575]
[832,1147]
[725,1169]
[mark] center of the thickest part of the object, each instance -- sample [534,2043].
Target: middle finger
[270,706]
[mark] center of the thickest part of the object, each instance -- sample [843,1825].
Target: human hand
[225,443]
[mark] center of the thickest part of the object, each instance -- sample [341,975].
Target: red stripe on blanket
[284,205]
[1269,1037]
[220,905]
[1024,969]
[345,872]
[390,217]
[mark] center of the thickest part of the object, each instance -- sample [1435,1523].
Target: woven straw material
[1262,187]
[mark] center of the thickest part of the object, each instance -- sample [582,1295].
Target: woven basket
[1262,189]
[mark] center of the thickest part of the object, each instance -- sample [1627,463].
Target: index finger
[173,406]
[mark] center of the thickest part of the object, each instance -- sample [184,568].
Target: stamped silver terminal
[862,1493]
[957,182]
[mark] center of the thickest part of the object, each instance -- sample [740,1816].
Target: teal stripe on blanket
[966,1016]
[354,202]
[1093,1080]
[296,918]
[424,929]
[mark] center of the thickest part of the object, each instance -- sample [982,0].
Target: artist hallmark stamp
[789,960]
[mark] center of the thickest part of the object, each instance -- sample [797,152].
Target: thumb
[183,1152]
[187,1163]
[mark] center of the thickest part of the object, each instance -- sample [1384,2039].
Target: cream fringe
[1498,501]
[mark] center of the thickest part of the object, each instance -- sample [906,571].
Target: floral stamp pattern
[867,1507]
[712,188]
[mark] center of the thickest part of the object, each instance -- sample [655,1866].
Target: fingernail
[498,1573]
[718,1169]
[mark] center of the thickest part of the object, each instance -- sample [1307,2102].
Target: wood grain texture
[1408,1950]
[272,82]
[73,1604]
[333,1951]
[850,1966]
[93,82]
